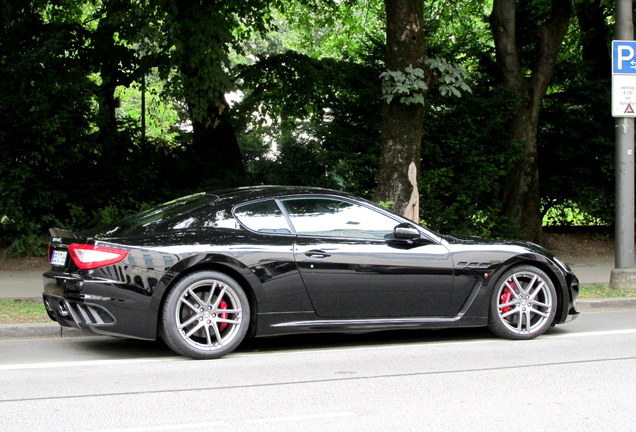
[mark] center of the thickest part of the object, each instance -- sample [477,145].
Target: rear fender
[221,263]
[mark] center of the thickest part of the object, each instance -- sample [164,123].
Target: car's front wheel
[523,304]
[206,315]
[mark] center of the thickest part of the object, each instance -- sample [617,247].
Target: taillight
[88,257]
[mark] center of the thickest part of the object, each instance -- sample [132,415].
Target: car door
[353,267]
[268,252]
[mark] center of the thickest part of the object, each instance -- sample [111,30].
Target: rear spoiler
[62,233]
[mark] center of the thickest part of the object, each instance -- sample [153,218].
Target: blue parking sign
[623,57]
[624,78]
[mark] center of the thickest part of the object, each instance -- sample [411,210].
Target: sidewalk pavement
[28,284]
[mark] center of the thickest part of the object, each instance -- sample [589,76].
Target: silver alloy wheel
[208,315]
[525,303]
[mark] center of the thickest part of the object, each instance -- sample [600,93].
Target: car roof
[270,191]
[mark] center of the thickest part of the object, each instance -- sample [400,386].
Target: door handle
[317,254]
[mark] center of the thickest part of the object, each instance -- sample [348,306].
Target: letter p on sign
[623,61]
[625,54]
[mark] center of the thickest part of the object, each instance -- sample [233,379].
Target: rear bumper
[99,305]
[80,315]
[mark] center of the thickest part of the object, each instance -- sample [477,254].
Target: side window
[264,217]
[337,218]
[222,220]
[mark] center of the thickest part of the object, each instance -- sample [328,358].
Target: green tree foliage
[44,110]
[465,156]
[345,30]
[312,87]
[576,138]
[69,154]
[322,113]
[199,37]
[73,152]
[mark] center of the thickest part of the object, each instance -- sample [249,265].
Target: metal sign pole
[624,87]
[624,193]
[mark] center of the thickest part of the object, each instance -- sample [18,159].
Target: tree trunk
[104,41]
[521,198]
[215,158]
[216,161]
[402,124]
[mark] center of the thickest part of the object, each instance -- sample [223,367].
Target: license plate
[58,258]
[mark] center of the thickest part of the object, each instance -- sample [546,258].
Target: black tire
[206,315]
[523,303]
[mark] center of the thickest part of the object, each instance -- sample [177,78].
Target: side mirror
[406,231]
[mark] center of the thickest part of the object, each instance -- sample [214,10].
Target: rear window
[177,214]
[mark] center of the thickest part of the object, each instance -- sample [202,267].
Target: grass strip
[14,311]
[604,291]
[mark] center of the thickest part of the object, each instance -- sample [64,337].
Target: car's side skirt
[365,325]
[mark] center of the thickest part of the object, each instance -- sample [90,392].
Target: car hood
[480,241]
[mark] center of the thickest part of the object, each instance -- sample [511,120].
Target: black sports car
[205,270]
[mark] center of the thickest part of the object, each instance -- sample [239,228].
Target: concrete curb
[53,330]
[591,305]
[39,330]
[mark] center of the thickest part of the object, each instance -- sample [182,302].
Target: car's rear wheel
[206,315]
[523,304]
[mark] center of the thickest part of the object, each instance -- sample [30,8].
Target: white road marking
[67,364]
[248,421]
[90,363]
[590,333]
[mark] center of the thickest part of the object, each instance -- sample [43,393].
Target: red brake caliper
[506,296]
[223,305]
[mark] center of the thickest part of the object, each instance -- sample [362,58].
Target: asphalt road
[580,376]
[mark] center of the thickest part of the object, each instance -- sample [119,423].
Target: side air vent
[473,265]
